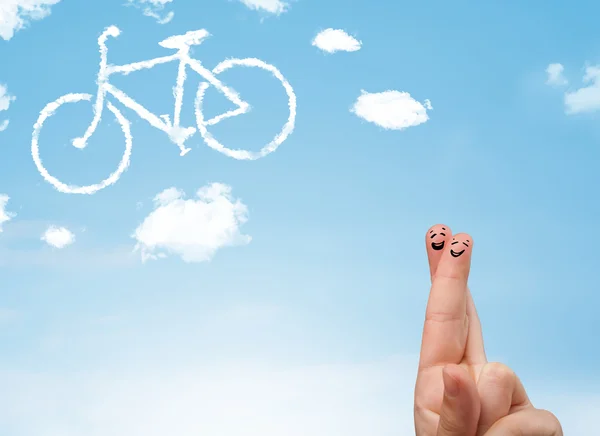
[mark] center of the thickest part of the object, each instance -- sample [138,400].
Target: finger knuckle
[451,426]
[497,372]
[443,317]
[449,278]
[552,422]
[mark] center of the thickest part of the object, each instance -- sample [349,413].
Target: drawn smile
[438,246]
[455,253]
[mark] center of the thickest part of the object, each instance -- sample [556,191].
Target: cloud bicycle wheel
[277,140]
[49,111]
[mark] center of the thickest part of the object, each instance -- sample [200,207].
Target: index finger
[446,327]
[436,238]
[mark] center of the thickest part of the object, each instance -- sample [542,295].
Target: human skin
[458,392]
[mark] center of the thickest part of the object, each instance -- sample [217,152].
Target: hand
[458,393]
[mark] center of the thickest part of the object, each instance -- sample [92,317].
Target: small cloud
[153,8]
[4,214]
[332,40]
[555,75]
[164,20]
[392,110]
[17,14]
[272,6]
[58,237]
[586,99]
[5,100]
[192,229]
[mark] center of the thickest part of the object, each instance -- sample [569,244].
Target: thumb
[461,406]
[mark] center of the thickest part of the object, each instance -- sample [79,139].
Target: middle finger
[501,393]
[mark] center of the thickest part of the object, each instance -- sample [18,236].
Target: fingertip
[437,238]
[460,407]
[451,382]
[457,372]
[453,369]
[437,228]
[461,245]
[455,262]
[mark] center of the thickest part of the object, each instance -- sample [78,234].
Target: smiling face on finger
[437,237]
[459,245]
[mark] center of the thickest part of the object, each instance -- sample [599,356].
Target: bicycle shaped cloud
[177,133]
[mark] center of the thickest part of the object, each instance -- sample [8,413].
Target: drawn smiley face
[457,248]
[437,236]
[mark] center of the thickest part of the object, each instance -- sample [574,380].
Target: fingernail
[450,385]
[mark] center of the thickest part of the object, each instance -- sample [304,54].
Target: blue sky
[301,313]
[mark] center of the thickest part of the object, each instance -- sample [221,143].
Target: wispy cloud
[392,110]
[230,399]
[153,9]
[21,247]
[332,40]
[8,315]
[17,14]
[82,260]
[4,214]
[235,398]
[5,100]
[58,237]
[587,98]
[555,75]
[193,229]
[272,6]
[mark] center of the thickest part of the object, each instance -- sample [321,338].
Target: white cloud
[5,100]
[4,214]
[586,99]
[58,237]
[192,229]
[16,14]
[392,110]
[555,75]
[272,6]
[153,8]
[332,40]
